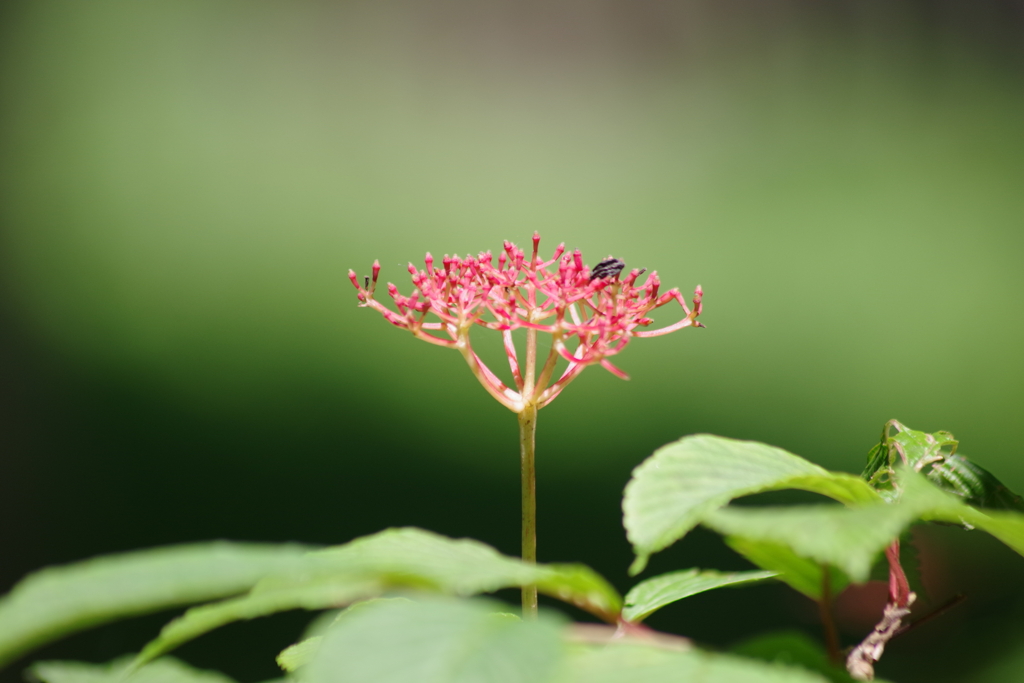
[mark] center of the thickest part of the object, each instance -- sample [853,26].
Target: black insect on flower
[609,268]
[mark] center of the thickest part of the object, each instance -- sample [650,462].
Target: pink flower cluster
[597,309]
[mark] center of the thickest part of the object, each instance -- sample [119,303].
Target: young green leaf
[166,670]
[647,597]
[802,574]
[394,559]
[671,491]
[974,484]
[910,447]
[57,601]
[935,456]
[437,640]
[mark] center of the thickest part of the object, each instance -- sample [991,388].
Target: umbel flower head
[591,314]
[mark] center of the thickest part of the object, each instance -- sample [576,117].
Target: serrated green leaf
[165,670]
[437,640]
[847,538]
[391,560]
[648,596]
[800,573]
[57,601]
[633,663]
[672,490]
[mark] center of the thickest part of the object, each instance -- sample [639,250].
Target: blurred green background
[183,186]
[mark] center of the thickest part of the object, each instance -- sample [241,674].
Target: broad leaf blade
[459,567]
[631,663]
[57,601]
[672,490]
[937,505]
[312,595]
[166,670]
[394,559]
[848,538]
[651,595]
[437,640]
[802,574]
[298,655]
[793,647]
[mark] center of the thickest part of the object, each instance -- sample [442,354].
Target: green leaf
[299,654]
[579,585]
[848,538]
[437,640]
[937,505]
[458,567]
[1008,527]
[900,444]
[974,484]
[393,559]
[935,456]
[793,647]
[57,601]
[166,670]
[651,595]
[319,593]
[671,491]
[802,574]
[633,663]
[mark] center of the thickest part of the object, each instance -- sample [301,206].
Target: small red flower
[596,310]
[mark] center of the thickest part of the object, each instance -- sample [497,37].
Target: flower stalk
[528,475]
[591,315]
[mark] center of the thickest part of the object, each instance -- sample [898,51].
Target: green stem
[527,468]
[527,440]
